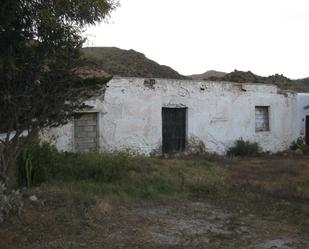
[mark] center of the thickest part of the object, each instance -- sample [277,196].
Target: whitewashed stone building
[148,116]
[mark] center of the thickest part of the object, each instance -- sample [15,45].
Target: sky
[263,36]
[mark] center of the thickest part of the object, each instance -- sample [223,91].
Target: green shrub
[134,178]
[297,144]
[41,162]
[97,167]
[117,174]
[300,144]
[37,163]
[244,148]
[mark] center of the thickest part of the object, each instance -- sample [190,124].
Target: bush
[195,146]
[244,148]
[300,144]
[37,163]
[97,167]
[42,162]
[84,176]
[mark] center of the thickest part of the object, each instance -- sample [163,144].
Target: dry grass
[286,178]
[169,204]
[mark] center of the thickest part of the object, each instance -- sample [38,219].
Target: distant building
[148,116]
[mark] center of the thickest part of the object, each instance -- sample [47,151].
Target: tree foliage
[40,42]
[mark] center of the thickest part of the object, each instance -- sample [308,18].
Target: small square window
[261,118]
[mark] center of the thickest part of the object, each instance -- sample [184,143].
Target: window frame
[265,114]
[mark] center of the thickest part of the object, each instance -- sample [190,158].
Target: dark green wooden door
[173,129]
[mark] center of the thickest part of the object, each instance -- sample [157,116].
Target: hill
[207,75]
[284,83]
[128,63]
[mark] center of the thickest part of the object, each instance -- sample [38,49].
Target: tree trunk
[12,181]
[10,150]
[9,153]
[9,168]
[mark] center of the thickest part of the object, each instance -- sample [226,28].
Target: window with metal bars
[261,118]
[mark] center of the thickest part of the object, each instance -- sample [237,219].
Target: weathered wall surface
[218,113]
[302,112]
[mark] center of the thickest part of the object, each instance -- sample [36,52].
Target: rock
[186,153]
[33,198]
[103,207]
[243,229]
[298,152]
[276,244]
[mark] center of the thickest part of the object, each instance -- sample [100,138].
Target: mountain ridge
[283,82]
[131,63]
[207,75]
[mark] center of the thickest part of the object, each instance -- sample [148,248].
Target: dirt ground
[177,224]
[50,223]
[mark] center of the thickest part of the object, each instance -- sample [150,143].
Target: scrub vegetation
[123,201]
[118,174]
[244,148]
[300,146]
[237,181]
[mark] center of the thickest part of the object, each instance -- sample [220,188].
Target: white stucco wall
[218,113]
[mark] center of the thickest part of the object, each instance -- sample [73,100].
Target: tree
[40,42]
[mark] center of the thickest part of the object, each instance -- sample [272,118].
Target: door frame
[185,127]
[80,113]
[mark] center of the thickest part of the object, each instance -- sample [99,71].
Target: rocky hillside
[128,63]
[207,75]
[284,83]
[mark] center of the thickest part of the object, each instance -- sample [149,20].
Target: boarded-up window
[85,132]
[261,118]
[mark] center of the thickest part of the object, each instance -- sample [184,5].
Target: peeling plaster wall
[62,137]
[218,113]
